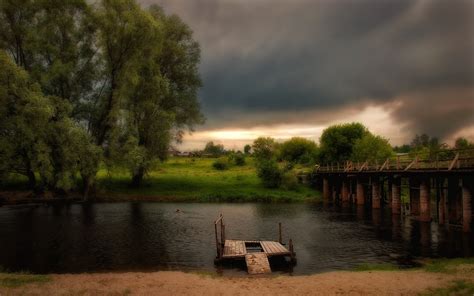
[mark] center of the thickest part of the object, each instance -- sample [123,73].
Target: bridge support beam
[425,212]
[389,191]
[360,194]
[414,197]
[345,191]
[442,201]
[466,206]
[376,193]
[396,201]
[326,189]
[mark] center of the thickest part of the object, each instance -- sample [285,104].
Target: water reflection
[154,236]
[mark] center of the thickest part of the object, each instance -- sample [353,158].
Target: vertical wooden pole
[466,206]
[389,191]
[414,197]
[217,242]
[360,196]
[425,212]
[442,202]
[376,192]
[344,191]
[396,200]
[326,191]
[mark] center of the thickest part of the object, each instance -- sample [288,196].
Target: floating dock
[255,252]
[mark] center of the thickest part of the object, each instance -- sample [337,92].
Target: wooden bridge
[443,180]
[255,253]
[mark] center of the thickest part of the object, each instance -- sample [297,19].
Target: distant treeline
[275,161]
[83,84]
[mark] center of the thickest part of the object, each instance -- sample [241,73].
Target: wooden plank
[257,263]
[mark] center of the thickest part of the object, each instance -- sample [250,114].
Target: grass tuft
[456,288]
[13,280]
[446,265]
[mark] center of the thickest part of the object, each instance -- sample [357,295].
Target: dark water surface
[153,236]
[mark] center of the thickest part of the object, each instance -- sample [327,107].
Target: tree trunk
[86,187]
[31,179]
[138,177]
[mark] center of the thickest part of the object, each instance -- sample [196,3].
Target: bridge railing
[442,160]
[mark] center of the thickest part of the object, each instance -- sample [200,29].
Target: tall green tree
[38,135]
[463,143]
[299,150]
[214,149]
[24,112]
[337,141]
[371,148]
[164,104]
[54,40]
[264,148]
[125,30]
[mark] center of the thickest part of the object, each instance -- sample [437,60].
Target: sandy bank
[180,283]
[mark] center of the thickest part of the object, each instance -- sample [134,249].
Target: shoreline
[372,282]
[29,198]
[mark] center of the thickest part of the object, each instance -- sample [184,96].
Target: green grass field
[187,179]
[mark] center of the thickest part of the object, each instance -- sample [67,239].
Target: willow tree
[54,40]
[125,32]
[162,99]
[38,135]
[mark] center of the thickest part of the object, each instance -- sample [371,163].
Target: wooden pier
[254,252]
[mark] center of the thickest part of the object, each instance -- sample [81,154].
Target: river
[150,236]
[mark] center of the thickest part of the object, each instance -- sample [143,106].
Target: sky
[285,68]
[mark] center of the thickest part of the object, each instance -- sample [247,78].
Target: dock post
[466,206]
[425,212]
[396,201]
[376,193]
[292,251]
[360,196]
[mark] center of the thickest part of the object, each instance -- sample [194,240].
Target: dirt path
[180,283]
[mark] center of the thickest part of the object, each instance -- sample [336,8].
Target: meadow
[194,179]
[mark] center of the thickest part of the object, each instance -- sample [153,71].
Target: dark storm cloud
[265,60]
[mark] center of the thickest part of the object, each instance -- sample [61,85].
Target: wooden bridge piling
[440,186]
[466,205]
[425,213]
[360,194]
[376,193]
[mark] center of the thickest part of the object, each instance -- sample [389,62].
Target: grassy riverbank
[191,179]
[456,278]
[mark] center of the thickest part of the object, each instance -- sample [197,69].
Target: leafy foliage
[269,173]
[264,148]
[299,150]
[337,141]
[371,148]
[38,134]
[220,164]
[214,149]
[113,73]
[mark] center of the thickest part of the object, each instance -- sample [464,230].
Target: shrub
[269,172]
[298,150]
[220,164]
[239,159]
[289,180]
